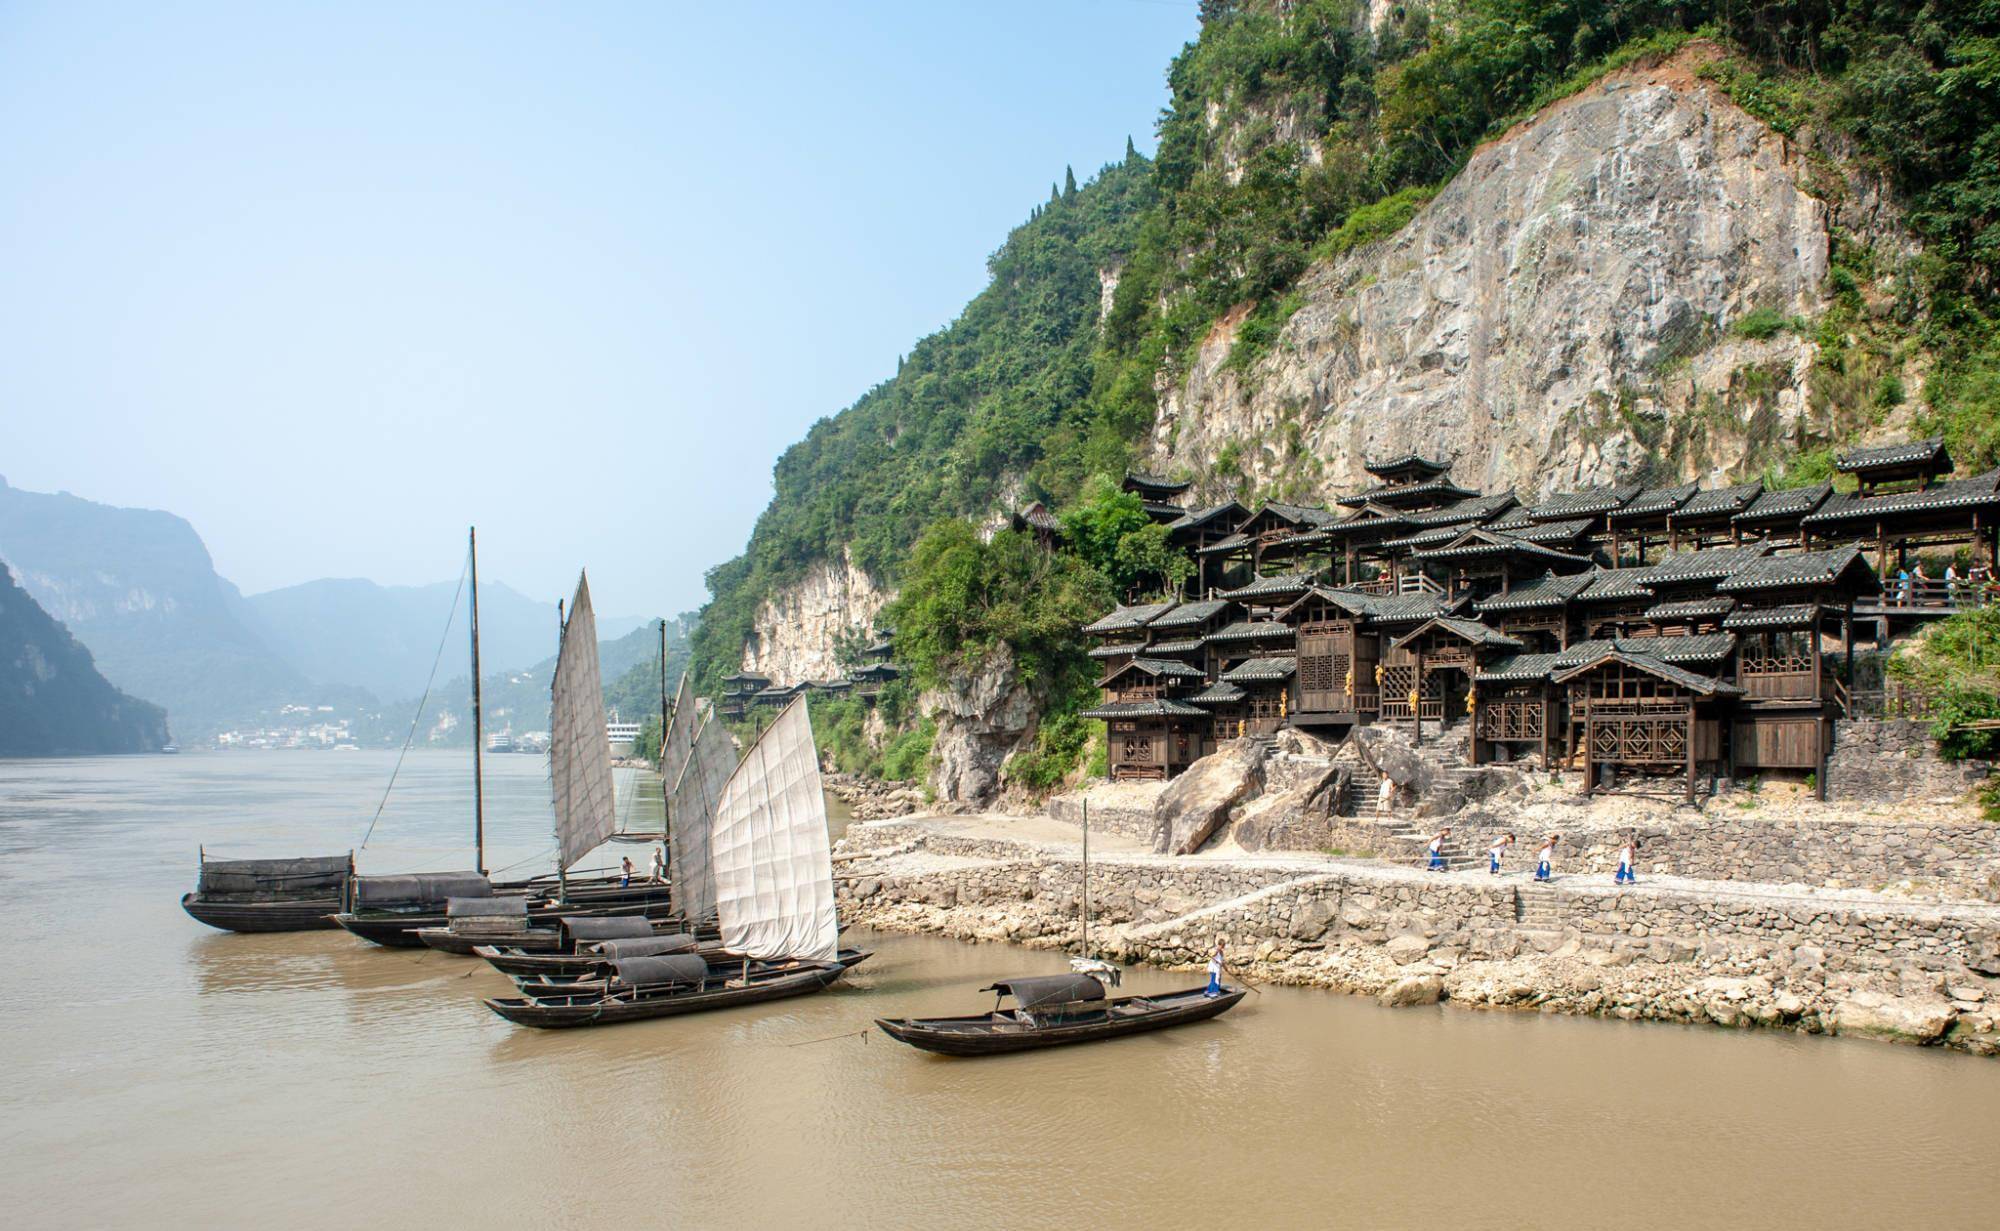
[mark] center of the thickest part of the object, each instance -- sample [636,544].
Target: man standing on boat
[625,878]
[1215,971]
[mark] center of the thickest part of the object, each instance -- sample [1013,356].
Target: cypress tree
[1069,184]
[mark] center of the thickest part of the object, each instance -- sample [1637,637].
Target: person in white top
[1215,972]
[1628,855]
[660,866]
[1384,795]
[1494,852]
[1437,849]
[1545,858]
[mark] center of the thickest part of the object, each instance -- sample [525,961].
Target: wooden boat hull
[302,916]
[993,1034]
[588,973]
[561,1012]
[401,929]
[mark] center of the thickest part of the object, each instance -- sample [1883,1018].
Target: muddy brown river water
[158,1073]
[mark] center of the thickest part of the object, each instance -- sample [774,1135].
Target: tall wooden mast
[478,733]
[666,720]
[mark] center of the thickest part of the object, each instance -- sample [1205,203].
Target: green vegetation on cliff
[1293,135]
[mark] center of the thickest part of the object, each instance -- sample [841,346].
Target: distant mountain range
[139,590]
[348,631]
[52,699]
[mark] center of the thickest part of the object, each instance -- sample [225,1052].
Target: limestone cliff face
[983,716]
[1558,316]
[799,630]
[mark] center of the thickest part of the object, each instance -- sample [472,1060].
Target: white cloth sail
[708,766]
[773,864]
[679,738]
[579,750]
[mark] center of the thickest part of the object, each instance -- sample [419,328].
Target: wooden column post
[1690,751]
[1589,771]
[1417,693]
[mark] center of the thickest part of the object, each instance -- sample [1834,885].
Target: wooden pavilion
[1645,717]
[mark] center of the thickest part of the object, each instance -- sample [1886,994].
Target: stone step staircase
[1537,908]
[1456,857]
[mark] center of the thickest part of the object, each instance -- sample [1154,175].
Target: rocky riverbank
[1739,955]
[873,799]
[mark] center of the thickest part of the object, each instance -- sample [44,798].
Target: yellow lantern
[1413,700]
[1284,695]
[1471,701]
[1378,675]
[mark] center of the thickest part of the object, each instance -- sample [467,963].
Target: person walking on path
[625,880]
[1437,863]
[1384,795]
[1627,856]
[1545,858]
[1494,852]
[1215,971]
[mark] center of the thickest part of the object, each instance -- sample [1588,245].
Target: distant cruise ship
[501,742]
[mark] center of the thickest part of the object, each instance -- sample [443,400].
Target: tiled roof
[1141,479]
[1162,510]
[1470,630]
[1958,494]
[1404,461]
[1302,514]
[1251,630]
[1196,518]
[1146,709]
[1438,485]
[1708,564]
[1218,694]
[1702,684]
[1037,516]
[1282,585]
[1549,532]
[1477,508]
[1910,453]
[1261,671]
[1183,645]
[1792,615]
[1612,584]
[1128,619]
[1227,543]
[1549,590]
[1720,502]
[1513,519]
[1188,615]
[1120,650]
[1690,609]
[1804,568]
[1165,667]
[1481,542]
[1442,534]
[1702,648]
[1588,502]
[1516,668]
[1656,501]
[1785,504]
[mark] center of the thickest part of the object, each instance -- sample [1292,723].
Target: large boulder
[1899,1019]
[1197,803]
[1294,818]
[1390,753]
[1412,990]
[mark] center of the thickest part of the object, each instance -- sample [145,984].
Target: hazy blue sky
[333,281]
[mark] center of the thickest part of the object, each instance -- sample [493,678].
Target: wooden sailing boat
[772,870]
[585,805]
[391,910]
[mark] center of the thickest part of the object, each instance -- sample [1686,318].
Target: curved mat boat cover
[613,927]
[648,946]
[664,968]
[418,889]
[314,876]
[1047,991]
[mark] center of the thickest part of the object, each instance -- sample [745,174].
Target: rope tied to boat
[418,717]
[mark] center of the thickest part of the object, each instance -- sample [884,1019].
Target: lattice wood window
[1784,652]
[1638,740]
[1322,672]
[1510,720]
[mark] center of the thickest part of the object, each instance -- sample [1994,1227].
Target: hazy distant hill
[518,700]
[138,588]
[52,699]
[384,638]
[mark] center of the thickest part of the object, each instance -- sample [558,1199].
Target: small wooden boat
[649,987]
[393,910]
[1054,1010]
[270,895]
[586,944]
[604,977]
[471,925]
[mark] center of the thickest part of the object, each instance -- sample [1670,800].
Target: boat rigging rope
[418,717]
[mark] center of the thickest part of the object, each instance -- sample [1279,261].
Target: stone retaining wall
[1893,761]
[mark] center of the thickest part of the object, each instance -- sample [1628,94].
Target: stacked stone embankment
[1824,961]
